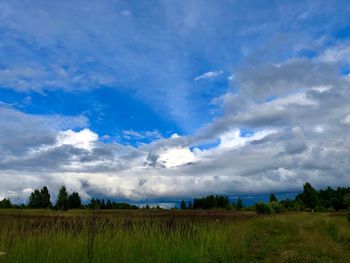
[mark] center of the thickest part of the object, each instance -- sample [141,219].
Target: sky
[173,99]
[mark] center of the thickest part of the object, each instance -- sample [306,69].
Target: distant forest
[309,199]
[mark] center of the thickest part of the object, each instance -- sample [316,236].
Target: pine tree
[239,205]
[190,206]
[103,204]
[183,205]
[74,200]
[92,204]
[309,196]
[109,204]
[273,198]
[62,199]
[45,198]
[5,203]
[35,199]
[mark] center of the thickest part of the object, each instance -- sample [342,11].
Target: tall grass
[140,236]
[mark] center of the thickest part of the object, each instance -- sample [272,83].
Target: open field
[172,236]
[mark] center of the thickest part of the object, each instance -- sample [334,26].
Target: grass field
[172,236]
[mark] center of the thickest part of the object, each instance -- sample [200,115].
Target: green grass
[172,236]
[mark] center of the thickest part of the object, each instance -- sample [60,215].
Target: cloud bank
[283,118]
[287,124]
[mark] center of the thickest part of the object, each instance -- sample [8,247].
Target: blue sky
[170,91]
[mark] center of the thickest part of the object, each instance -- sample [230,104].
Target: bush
[277,207]
[329,210]
[263,209]
[348,215]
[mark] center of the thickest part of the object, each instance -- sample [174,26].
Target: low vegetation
[171,236]
[313,227]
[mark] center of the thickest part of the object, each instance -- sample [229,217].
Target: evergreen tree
[109,204]
[239,205]
[62,199]
[5,203]
[98,204]
[74,200]
[183,205]
[103,204]
[35,199]
[45,198]
[273,198]
[92,204]
[346,200]
[190,206]
[309,196]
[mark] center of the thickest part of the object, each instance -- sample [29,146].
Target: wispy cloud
[125,12]
[209,75]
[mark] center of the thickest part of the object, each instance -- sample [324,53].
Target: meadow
[30,235]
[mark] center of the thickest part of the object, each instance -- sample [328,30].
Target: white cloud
[322,88]
[299,135]
[83,139]
[335,54]
[209,75]
[176,156]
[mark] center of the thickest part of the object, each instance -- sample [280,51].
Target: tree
[273,198]
[109,204]
[35,199]
[103,204]
[40,199]
[74,200]
[98,204]
[5,203]
[183,205]
[263,209]
[62,199]
[346,200]
[45,198]
[92,204]
[309,196]
[190,206]
[287,204]
[239,205]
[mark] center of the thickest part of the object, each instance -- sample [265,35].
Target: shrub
[277,207]
[263,209]
[348,215]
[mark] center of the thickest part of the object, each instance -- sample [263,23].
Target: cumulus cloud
[283,122]
[336,54]
[83,139]
[284,126]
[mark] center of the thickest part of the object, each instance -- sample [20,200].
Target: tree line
[324,200]
[212,202]
[41,198]
[309,199]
